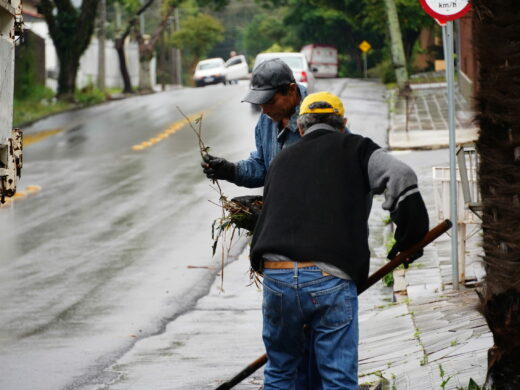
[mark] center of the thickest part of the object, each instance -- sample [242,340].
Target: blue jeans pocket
[272,306]
[335,306]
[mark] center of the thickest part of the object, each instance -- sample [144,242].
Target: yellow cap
[327,97]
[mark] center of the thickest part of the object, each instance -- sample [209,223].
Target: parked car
[323,58]
[210,71]
[298,64]
[236,68]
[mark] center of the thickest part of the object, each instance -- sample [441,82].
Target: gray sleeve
[393,177]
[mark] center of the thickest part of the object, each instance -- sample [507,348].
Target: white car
[298,64]
[236,68]
[210,71]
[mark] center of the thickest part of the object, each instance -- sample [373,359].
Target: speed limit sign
[446,10]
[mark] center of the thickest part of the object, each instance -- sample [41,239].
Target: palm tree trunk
[497,44]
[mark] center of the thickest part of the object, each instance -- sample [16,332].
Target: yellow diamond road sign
[365,46]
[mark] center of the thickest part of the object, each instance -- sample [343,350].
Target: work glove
[411,219]
[398,247]
[217,168]
[253,203]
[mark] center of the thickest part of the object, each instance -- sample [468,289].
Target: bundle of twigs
[237,213]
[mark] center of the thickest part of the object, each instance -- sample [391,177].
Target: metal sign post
[365,47]
[448,50]
[446,12]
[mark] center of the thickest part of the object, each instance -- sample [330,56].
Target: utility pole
[178,51]
[141,20]
[101,44]
[118,16]
[398,57]
[11,140]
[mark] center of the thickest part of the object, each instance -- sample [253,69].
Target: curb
[417,139]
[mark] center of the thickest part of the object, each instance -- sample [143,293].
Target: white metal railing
[468,198]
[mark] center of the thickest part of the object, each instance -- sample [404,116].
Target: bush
[384,71]
[28,110]
[89,95]
[275,48]
[347,66]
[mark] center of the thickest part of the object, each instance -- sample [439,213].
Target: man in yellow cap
[311,241]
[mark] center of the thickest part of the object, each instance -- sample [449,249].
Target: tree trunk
[69,64]
[496,41]
[145,57]
[147,50]
[120,47]
[70,30]
[101,45]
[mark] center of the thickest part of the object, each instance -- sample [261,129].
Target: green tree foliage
[70,29]
[214,4]
[346,23]
[263,31]
[312,22]
[237,17]
[296,23]
[412,19]
[197,36]
[26,71]
[276,48]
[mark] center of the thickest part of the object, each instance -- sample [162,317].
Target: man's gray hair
[307,120]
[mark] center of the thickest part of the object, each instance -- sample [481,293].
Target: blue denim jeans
[328,306]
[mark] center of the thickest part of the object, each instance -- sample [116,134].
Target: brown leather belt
[287,264]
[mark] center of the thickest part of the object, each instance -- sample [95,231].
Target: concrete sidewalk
[429,326]
[430,336]
[427,125]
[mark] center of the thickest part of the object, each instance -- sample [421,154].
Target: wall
[87,71]
[88,67]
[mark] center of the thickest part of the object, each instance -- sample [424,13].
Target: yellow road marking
[7,203]
[39,136]
[174,127]
[32,189]
[19,195]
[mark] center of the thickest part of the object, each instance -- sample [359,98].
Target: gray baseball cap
[267,77]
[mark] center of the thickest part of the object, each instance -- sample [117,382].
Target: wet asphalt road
[98,258]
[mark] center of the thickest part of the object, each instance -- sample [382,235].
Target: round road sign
[446,10]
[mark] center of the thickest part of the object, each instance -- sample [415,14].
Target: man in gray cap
[274,89]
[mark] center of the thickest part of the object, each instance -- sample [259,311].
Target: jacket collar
[293,126]
[320,126]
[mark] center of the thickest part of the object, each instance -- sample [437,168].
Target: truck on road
[322,59]
[10,139]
